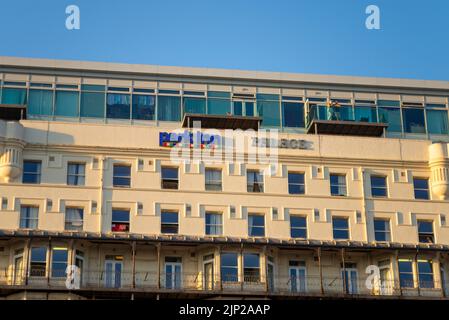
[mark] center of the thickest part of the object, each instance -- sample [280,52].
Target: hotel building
[87,179]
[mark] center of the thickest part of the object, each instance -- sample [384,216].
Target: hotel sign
[213,141]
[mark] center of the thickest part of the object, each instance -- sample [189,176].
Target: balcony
[337,121]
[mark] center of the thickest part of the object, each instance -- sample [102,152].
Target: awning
[209,121]
[347,128]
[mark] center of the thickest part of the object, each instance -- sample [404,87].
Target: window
[169,222]
[213,180]
[31,171]
[122,175]
[194,105]
[144,107]
[425,231]
[118,106]
[365,114]
[256,225]
[413,120]
[169,108]
[269,111]
[76,174]
[293,114]
[378,186]
[298,227]
[391,116]
[254,182]
[229,267]
[120,220]
[74,219]
[382,230]
[169,178]
[251,267]
[421,188]
[406,273]
[218,103]
[437,121]
[340,227]
[296,183]
[243,108]
[40,102]
[338,184]
[29,217]
[59,262]
[38,262]
[93,103]
[67,103]
[214,223]
[14,96]
[425,274]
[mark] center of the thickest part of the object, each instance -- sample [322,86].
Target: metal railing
[257,285]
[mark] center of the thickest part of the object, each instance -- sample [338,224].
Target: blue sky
[313,36]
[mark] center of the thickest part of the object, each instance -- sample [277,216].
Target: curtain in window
[118,106]
[169,108]
[92,104]
[40,102]
[194,105]
[144,107]
[437,121]
[66,103]
[14,96]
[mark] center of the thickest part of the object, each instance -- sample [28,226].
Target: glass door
[244,108]
[270,276]
[350,277]
[297,279]
[18,269]
[113,278]
[208,275]
[173,275]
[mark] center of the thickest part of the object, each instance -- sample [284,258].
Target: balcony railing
[204,284]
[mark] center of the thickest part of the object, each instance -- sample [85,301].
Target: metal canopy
[209,121]
[347,128]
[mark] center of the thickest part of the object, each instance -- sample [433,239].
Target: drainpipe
[49,269]
[27,262]
[101,195]
[416,264]
[344,270]
[320,267]
[364,202]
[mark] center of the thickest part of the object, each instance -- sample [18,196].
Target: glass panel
[14,96]
[66,103]
[413,120]
[293,114]
[269,111]
[194,105]
[392,116]
[118,106]
[40,102]
[437,121]
[144,107]
[365,114]
[218,94]
[218,106]
[92,104]
[169,108]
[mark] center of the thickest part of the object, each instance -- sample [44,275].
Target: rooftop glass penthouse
[148,95]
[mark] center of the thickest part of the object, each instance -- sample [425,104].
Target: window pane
[269,111]
[365,114]
[413,120]
[437,121]
[120,215]
[14,96]
[169,217]
[218,106]
[92,104]
[66,103]
[118,106]
[195,105]
[169,108]
[170,173]
[40,102]
[144,107]
[293,114]
[392,116]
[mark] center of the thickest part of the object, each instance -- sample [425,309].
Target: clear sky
[305,36]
